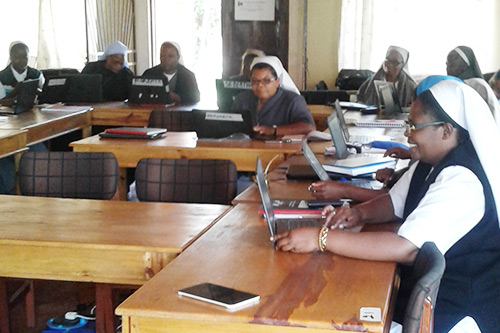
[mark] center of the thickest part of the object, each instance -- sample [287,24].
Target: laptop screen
[387,98]
[314,162]
[227,90]
[27,91]
[84,88]
[337,136]
[265,197]
[343,124]
[221,124]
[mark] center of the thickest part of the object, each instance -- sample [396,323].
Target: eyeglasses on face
[394,63]
[414,127]
[263,81]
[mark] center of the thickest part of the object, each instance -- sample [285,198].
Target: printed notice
[254,10]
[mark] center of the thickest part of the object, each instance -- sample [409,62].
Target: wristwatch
[275,127]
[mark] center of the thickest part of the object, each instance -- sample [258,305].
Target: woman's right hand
[398,152]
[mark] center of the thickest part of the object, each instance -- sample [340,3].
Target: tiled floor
[52,299]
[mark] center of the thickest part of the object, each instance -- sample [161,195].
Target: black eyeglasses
[263,81]
[414,127]
[395,63]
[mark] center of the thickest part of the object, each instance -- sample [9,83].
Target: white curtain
[356,34]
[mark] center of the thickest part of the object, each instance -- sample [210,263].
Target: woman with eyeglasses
[450,197]
[275,102]
[394,69]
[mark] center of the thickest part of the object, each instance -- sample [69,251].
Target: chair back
[68,174]
[173,121]
[186,180]
[427,271]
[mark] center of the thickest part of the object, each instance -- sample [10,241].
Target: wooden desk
[319,292]
[319,114]
[184,145]
[98,241]
[12,142]
[41,126]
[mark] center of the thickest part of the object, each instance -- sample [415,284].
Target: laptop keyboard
[363,139]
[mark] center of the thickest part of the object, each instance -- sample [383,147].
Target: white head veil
[286,81]
[12,45]
[256,52]
[404,53]
[178,47]
[466,107]
[116,48]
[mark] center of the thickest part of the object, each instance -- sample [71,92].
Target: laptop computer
[73,88]
[388,100]
[324,97]
[352,164]
[363,139]
[227,91]
[275,225]
[25,99]
[148,90]
[215,124]
[324,176]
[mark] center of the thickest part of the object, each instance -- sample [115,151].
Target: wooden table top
[316,290]
[12,142]
[43,125]
[95,240]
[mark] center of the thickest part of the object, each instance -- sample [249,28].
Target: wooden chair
[173,121]
[68,175]
[428,270]
[186,180]
[65,175]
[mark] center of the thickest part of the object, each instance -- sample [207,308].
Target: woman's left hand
[300,240]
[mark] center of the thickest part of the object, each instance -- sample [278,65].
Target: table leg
[122,184]
[4,307]
[104,317]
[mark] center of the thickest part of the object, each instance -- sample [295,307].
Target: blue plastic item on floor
[82,326]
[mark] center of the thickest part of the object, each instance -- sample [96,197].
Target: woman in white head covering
[286,81]
[246,61]
[113,67]
[183,88]
[393,69]
[450,197]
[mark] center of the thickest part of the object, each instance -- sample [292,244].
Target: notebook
[148,90]
[356,138]
[274,224]
[227,91]
[352,164]
[388,100]
[323,175]
[25,99]
[215,124]
[73,88]
[133,133]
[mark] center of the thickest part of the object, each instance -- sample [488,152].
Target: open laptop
[388,100]
[215,124]
[148,90]
[275,225]
[324,176]
[227,90]
[324,97]
[73,88]
[363,139]
[25,99]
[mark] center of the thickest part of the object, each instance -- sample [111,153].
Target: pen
[278,141]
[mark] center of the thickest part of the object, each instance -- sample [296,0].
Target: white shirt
[452,206]
[21,77]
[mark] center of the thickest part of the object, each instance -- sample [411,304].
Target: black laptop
[227,91]
[25,98]
[148,90]
[388,100]
[73,88]
[216,124]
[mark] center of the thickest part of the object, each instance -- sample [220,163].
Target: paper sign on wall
[254,10]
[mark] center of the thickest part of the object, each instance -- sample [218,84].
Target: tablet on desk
[229,298]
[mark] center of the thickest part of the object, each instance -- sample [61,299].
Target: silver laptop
[275,225]
[323,175]
[363,139]
[388,100]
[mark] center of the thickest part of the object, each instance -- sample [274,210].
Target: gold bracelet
[323,233]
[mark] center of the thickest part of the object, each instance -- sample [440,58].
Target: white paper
[254,10]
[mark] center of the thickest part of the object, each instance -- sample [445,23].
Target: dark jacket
[114,85]
[186,86]
[7,77]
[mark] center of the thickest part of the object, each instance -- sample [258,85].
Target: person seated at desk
[450,197]
[182,85]
[113,67]
[246,61]
[462,63]
[495,84]
[17,71]
[274,101]
[394,69]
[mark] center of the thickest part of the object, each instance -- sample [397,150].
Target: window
[196,26]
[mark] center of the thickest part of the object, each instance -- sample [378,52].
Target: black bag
[352,79]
